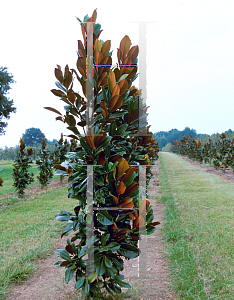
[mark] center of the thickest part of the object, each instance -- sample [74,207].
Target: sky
[189,55]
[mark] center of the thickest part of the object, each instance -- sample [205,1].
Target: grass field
[27,231]
[199,229]
[6,175]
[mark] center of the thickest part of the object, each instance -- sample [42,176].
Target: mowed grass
[199,229]
[27,231]
[6,175]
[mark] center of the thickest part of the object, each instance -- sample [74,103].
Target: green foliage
[198,229]
[104,167]
[60,151]
[8,190]
[9,153]
[33,135]
[22,178]
[220,153]
[45,165]
[6,105]
[167,148]
[165,137]
[27,234]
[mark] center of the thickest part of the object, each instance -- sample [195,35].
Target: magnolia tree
[45,165]
[21,176]
[61,149]
[108,165]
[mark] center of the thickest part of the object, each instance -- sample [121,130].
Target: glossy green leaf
[73,129]
[114,288]
[97,28]
[149,218]
[105,237]
[118,263]
[118,114]
[113,246]
[122,77]
[104,144]
[79,283]
[119,277]
[97,256]
[128,251]
[87,288]
[63,216]
[82,252]
[57,264]
[100,269]
[130,180]
[122,284]
[122,130]
[69,274]
[150,229]
[104,218]
[85,146]
[92,277]
[107,262]
[60,86]
[64,254]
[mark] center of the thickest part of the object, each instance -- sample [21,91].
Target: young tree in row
[59,153]
[105,167]
[22,177]
[220,153]
[45,165]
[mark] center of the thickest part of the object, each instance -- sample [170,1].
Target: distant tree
[53,142]
[21,176]
[187,132]
[6,105]
[33,135]
[45,165]
[174,135]
[165,137]
[163,142]
[167,148]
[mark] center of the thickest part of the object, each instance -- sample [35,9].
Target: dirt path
[35,190]
[48,281]
[157,264]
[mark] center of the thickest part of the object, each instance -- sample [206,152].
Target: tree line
[32,138]
[165,139]
[220,153]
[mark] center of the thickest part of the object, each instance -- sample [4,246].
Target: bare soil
[228,175]
[47,283]
[35,191]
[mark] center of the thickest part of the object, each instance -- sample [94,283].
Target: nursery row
[46,160]
[220,154]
